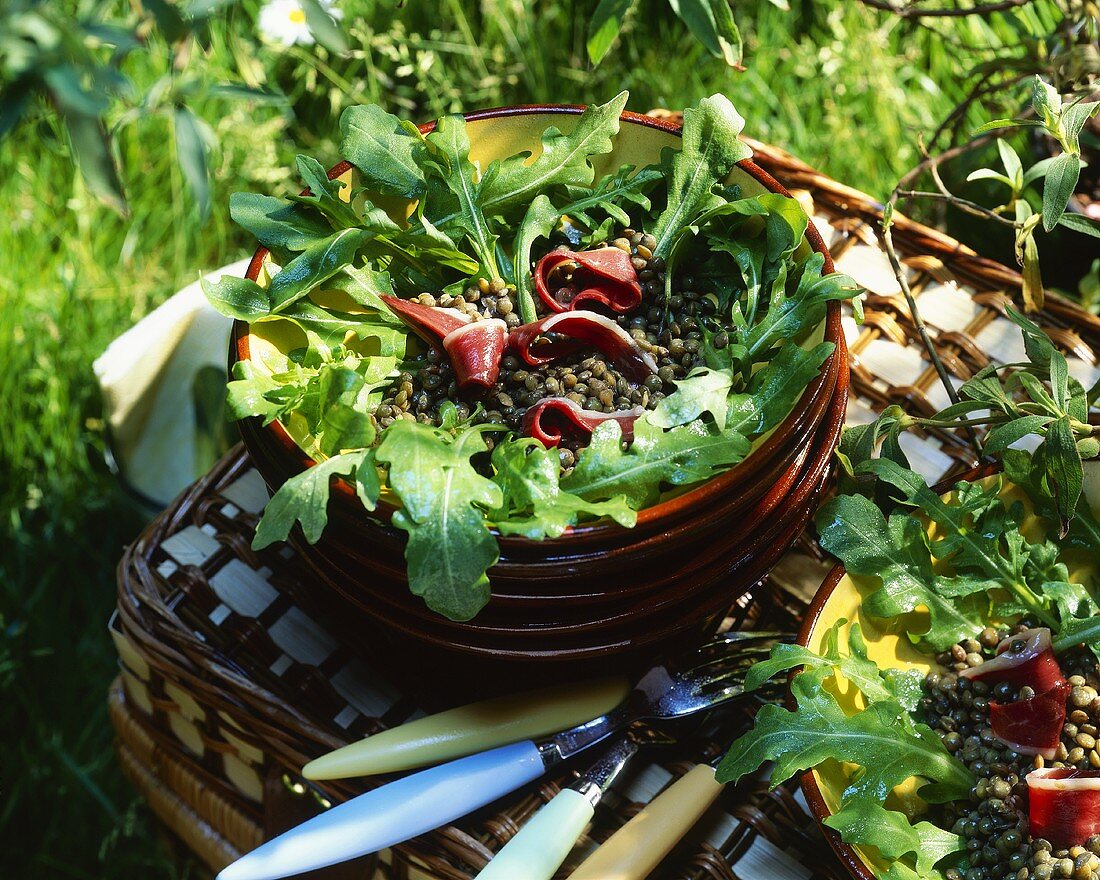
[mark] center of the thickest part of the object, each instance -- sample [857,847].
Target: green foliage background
[843,87]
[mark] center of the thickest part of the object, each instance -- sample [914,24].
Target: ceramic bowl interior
[841,597]
[493,135]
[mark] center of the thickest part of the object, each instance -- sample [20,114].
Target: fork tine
[747,654]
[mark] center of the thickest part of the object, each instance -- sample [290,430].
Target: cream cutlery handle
[632,852]
[542,844]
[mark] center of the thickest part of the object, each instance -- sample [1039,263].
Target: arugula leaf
[367,286]
[313,266]
[329,327]
[248,394]
[324,194]
[385,149]
[866,822]
[565,158]
[454,184]
[709,151]
[304,498]
[788,316]
[237,297]
[276,225]
[773,391]
[625,186]
[970,545]
[703,390]
[443,500]
[853,529]
[539,221]
[680,456]
[879,739]
[873,682]
[535,506]
[342,424]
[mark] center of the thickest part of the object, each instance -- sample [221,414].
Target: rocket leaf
[682,455]
[865,822]
[896,553]
[304,498]
[443,504]
[888,749]
[535,505]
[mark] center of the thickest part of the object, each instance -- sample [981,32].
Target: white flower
[284,21]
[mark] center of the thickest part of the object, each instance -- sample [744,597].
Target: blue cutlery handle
[393,813]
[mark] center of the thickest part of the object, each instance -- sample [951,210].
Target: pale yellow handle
[469,729]
[632,852]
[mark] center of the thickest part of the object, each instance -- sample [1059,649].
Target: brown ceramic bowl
[600,589]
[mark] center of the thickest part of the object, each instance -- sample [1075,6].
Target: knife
[470,729]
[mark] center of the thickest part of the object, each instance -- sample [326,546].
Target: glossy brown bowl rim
[680,504]
[810,789]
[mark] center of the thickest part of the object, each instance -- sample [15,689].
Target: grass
[844,88]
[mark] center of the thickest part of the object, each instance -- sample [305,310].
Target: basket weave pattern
[227,686]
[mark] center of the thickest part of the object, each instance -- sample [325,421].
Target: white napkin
[157,379]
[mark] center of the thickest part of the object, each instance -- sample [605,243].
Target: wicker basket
[227,687]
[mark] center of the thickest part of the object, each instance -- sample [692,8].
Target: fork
[703,679]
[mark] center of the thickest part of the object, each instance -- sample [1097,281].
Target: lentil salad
[525,347]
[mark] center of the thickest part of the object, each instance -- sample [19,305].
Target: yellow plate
[841,597]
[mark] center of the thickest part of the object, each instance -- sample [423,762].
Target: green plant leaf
[710,149]
[384,150]
[873,682]
[277,225]
[1081,223]
[879,739]
[1013,167]
[93,155]
[1074,118]
[565,159]
[677,457]
[237,297]
[367,286]
[853,529]
[989,174]
[702,391]
[535,505]
[455,186]
[324,195]
[712,24]
[773,390]
[1003,436]
[323,27]
[539,221]
[193,140]
[1047,103]
[443,500]
[605,25]
[304,499]
[313,266]
[1063,464]
[1037,345]
[1061,180]
[866,822]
